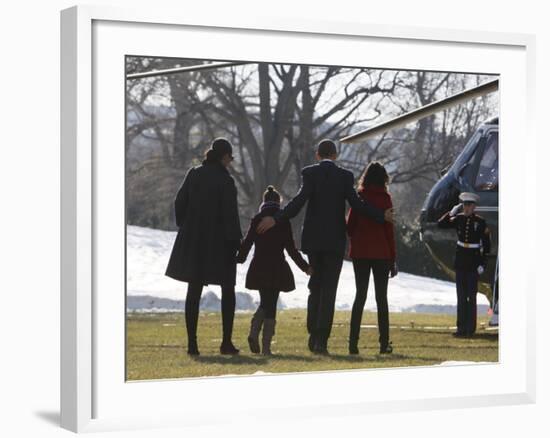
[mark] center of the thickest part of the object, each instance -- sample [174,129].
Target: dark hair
[375,174]
[271,195]
[326,148]
[212,156]
[220,146]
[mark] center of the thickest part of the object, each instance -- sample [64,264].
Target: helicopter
[475,170]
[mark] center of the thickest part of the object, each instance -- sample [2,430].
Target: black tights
[268,302]
[380,269]
[192,304]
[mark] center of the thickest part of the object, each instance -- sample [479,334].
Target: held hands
[265,224]
[455,210]
[388,215]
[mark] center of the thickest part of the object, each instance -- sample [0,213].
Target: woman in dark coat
[208,239]
[372,248]
[269,272]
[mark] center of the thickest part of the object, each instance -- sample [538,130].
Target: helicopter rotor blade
[189,68]
[425,111]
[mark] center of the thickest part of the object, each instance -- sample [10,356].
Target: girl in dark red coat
[372,248]
[269,273]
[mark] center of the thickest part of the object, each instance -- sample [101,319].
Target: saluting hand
[388,215]
[265,224]
[455,210]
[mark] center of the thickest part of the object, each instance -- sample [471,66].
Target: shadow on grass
[485,336]
[245,359]
[361,358]
[233,360]
[155,346]
[262,360]
[394,357]
[297,357]
[355,358]
[322,358]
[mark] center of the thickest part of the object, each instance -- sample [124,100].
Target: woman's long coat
[209,230]
[268,269]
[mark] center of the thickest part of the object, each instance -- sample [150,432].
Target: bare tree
[275,114]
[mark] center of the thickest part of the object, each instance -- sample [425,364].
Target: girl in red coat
[269,273]
[372,248]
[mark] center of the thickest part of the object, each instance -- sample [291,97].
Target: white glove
[480,270]
[454,211]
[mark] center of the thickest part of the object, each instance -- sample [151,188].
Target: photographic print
[285,218]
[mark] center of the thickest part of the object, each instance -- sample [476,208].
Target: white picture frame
[94,394]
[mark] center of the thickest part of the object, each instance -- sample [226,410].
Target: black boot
[267,335]
[192,347]
[353,346]
[228,315]
[354,328]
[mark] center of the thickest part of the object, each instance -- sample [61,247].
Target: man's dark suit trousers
[327,266]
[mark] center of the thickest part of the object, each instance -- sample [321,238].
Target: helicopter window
[467,155]
[487,175]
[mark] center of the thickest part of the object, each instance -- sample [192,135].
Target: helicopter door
[487,175]
[480,173]
[485,178]
[485,184]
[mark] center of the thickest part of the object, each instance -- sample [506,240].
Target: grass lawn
[157,345]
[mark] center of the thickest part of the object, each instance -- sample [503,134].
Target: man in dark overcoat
[208,239]
[325,187]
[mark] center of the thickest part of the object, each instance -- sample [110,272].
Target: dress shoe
[321,346]
[227,347]
[386,349]
[353,347]
[311,343]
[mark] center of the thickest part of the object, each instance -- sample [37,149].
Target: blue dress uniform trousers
[466,309]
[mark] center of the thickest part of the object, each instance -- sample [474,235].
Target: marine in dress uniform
[472,246]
